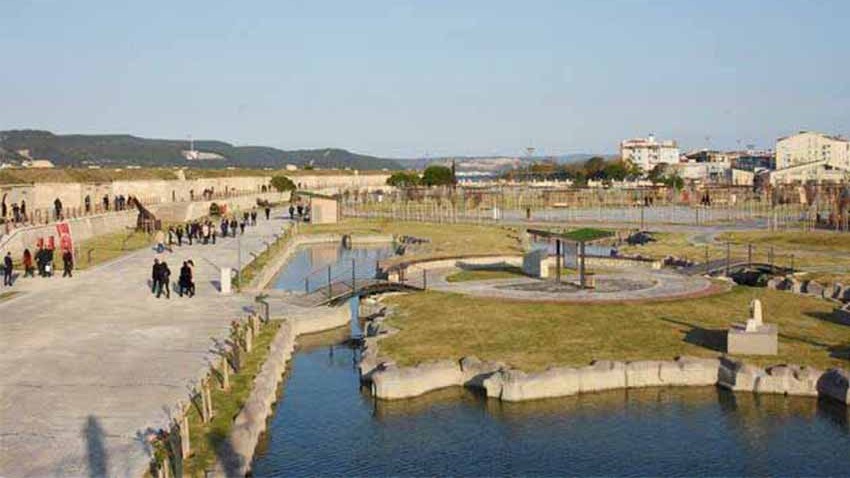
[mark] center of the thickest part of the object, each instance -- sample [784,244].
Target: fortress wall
[42,195]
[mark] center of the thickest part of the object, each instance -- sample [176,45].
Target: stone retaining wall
[250,423]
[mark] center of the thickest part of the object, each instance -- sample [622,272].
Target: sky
[429,78]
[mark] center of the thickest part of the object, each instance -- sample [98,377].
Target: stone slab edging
[390,382]
[250,423]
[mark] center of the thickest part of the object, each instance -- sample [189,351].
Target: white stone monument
[753,337]
[225,280]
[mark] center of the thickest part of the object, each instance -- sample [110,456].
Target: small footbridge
[329,286]
[730,267]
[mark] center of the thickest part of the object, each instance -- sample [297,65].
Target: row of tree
[597,169]
[432,176]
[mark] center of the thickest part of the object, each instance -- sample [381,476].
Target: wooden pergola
[579,238]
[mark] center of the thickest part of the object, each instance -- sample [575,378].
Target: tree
[437,176]
[282,183]
[616,171]
[403,179]
[594,167]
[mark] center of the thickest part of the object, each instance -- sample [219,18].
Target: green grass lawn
[207,438]
[445,240]
[533,336]
[485,274]
[106,247]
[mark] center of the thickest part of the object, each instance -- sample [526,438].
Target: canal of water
[326,424]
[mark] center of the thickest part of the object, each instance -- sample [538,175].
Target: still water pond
[325,424]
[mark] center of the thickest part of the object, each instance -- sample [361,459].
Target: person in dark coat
[291,211]
[184,284]
[67,263]
[268,212]
[57,206]
[233,226]
[164,280]
[7,269]
[155,276]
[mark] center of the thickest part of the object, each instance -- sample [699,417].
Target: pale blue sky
[407,79]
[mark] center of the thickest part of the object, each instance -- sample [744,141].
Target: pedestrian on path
[184,284]
[67,263]
[164,280]
[291,212]
[233,226]
[7,269]
[27,263]
[268,212]
[242,228]
[253,218]
[155,276]
[179,233]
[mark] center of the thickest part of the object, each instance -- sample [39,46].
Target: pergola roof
[583,235]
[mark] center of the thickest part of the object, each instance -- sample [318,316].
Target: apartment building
[649,152]
[810,147]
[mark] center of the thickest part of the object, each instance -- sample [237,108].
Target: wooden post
[205,388]
[249,338]
[185,447]
[727,258]
[424,279]
[329,282]
[225,373]
[558,261]
[581,265]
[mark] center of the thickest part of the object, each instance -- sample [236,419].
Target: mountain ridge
[126,149]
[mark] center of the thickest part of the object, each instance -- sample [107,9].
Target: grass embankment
[105,174]
[103,248]
[207,438]
[445,240]
[260,261]
[533,336]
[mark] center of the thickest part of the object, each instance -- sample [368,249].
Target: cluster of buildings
[799,158]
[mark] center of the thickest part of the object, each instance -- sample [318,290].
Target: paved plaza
[615,285]
[88,363]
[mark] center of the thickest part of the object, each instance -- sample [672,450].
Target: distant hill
[495,163]
[80,150]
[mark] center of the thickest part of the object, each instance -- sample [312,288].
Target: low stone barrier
[250,423]
[269,272]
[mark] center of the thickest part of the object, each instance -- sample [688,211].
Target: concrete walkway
[87,364]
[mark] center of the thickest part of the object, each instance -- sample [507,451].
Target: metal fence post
[329,282]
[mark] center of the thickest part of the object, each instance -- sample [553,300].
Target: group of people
[302,211]
[43,260]
[161,279]
[206,232]
[19,211]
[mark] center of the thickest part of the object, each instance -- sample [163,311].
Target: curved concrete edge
[391,383]
[297,240]
[250,423]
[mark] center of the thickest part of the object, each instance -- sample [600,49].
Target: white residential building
[809,147]
[647,152]
[811,157]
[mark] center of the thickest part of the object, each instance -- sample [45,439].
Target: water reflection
[326,424]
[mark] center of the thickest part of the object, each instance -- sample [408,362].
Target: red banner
[65,241]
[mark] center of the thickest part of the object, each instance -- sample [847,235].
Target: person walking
[164,280]
[185,280]
[57,206]
[242,227]
[253,218]
[27,263]
[233,226]
[155,276]
[7,270]
[179,233]
[191,277]
[291,212]
[67,263]
[268,212]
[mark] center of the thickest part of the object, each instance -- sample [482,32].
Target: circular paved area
[611,286]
